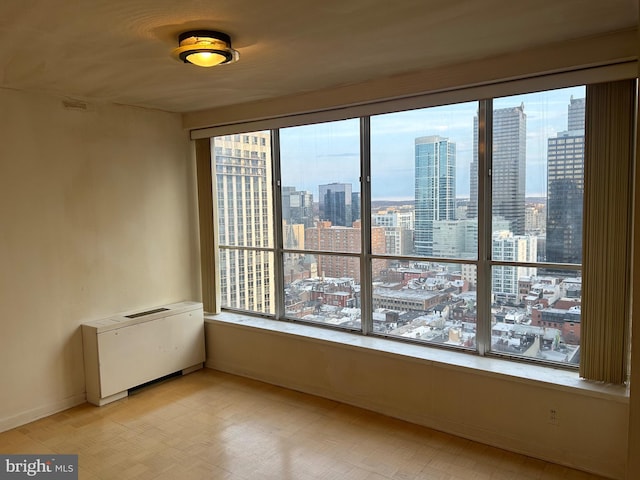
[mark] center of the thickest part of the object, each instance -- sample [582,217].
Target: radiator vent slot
[148,312]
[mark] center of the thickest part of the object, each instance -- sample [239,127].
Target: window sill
[544,376]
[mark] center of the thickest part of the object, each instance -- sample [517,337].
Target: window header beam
[595,59]
[583,76]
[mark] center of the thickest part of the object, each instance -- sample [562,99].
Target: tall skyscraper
[335,204]
[435,188]
[508,167]
[245,219]
[565,189]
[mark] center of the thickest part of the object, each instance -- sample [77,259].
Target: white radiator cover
[133,348]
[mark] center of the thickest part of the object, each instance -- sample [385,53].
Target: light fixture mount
[205,48]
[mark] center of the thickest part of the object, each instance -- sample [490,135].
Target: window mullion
[366,308]
[483,280]
[277,228]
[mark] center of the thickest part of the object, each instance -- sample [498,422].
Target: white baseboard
[22,418]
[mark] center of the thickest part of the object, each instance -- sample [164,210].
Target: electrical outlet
[554,418]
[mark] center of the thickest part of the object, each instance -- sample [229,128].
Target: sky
[312,155]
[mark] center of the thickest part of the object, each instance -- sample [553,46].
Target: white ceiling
[119,50]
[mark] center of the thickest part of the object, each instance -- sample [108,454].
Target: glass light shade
[206,59]
[205,48]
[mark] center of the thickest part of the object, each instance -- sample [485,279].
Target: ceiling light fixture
[205,48]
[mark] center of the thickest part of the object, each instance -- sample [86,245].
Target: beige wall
[97,216]
[591,433]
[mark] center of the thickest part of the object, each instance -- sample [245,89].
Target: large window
[536,235]
[423,283]
[244,193]
[459,225]
[320,167]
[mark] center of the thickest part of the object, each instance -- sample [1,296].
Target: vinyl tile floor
[212,425]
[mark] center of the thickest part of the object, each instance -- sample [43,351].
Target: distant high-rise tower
[576,115]
[327,237]
[398,228]
[297,207]
[472,209]
[513,248]
[435,188]
[565,188]
[355,206]
[245,219]
[508,167]
[335,204]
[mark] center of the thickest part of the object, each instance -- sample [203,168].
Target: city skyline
[330,152]
[410,293]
